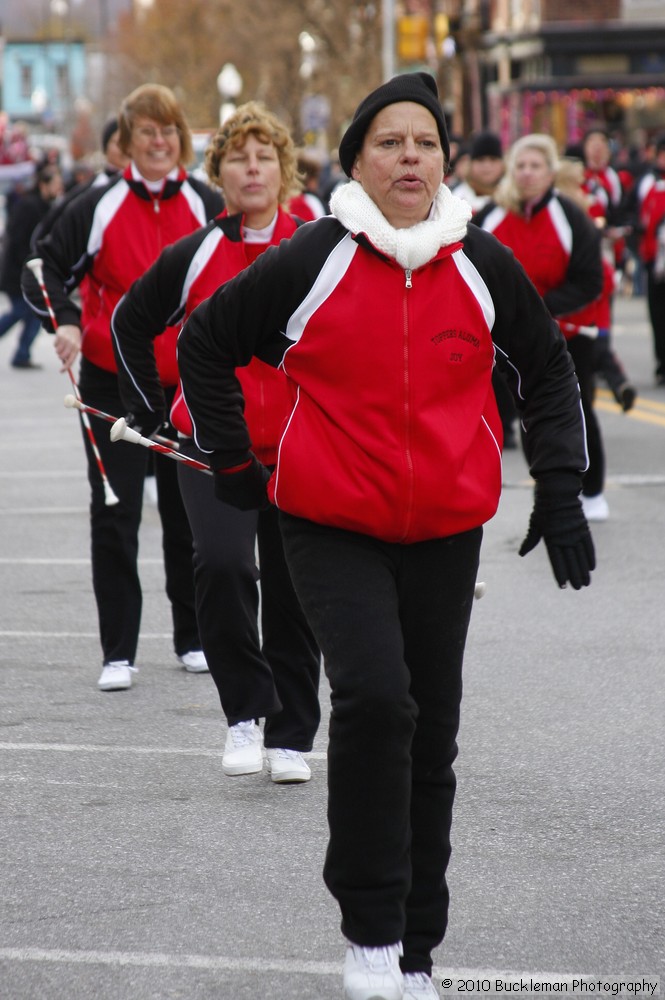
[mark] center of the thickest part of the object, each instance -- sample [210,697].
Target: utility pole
[388,46]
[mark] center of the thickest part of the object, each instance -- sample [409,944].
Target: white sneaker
[195,662]
[243,752]
[419,986]
[287,766]
[373,973]
[116,676]
[150,491]
[595,508]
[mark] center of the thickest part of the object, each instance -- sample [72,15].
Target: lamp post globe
[229,85]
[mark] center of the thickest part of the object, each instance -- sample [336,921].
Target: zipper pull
[407,275]
[155,205]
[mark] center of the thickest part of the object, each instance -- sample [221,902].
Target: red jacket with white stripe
[106,239]
[558,246]
[184,275]
[393,429]
[651,201]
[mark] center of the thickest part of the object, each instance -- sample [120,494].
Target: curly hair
[253,118]
[152,100]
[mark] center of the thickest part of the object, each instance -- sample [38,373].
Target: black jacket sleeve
[584,276]
[65,261]
[153,302]
[244,318]
[535,359]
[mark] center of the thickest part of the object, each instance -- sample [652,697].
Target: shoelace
[240,734]
[115,664]
[377,959]
[287,754]
[414,982]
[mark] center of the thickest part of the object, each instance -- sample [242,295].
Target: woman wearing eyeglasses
[103,241]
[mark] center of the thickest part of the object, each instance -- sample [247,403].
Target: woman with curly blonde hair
[252,159]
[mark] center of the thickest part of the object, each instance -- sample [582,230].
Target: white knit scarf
[412,247]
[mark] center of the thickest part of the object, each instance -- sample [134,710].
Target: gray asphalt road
[130,867]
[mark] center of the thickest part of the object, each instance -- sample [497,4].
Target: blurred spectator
[458,163]
[332,176]
[24,214]
[651,208]
[603,186]
[597,316]
[115,160]
[308,205]
[559,247]
[485,170]
[13,142]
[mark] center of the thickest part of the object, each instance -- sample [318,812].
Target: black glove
[558,518]
[244,489]
[146,422]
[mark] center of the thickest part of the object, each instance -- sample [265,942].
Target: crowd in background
[621,184]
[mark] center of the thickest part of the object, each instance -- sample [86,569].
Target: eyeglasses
[149,132]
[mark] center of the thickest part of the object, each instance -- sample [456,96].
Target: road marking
[45,511]
[649,411]
[17,634]
[133,751]
[43,474]
[82,561]
[260,964]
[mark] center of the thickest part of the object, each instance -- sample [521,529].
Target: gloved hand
[558,518]
[244,488]
[146,422]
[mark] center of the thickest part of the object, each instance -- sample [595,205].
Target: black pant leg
[227,597]
[114,528]
[288,645]
[436,599]
[178,548]
[608,365]
[656,306]
[582,350]
[391,622]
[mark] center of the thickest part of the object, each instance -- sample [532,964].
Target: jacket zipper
[406,358]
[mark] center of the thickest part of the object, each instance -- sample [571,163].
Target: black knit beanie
[486,144]
[420,88]
[110,128]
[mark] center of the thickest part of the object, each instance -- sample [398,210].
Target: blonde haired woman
[559,247]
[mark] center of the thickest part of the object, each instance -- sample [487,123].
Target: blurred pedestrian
[308,203]
[596,317]
[115,161]
[106,238]
[651,208]
[460,160]
[385,318]
[485,169]
[559,247]
[274,674]
[23,217]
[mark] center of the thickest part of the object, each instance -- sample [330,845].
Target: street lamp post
[229,85]
[388,39]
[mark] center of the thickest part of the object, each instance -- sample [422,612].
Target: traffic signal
[412,36]
[441,32]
